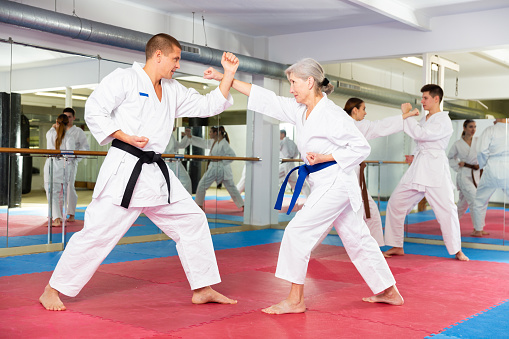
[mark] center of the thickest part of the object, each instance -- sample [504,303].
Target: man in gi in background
[428,176]
[135,109]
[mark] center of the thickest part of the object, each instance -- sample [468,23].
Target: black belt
[144,158]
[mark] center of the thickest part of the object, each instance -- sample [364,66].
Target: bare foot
[478,233]
[394,251]
[286,306]
[50,299]
[71,218]
[208,295]
[57,222]
[461,256]
[389,296]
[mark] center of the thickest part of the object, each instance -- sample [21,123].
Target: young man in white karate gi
[135,108]
[428,176]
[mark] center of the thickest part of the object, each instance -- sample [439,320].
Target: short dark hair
[283,131]
[161,42]
[433,90]
[69,110]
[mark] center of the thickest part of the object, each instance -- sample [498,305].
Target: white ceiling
[269,18]
[278,17]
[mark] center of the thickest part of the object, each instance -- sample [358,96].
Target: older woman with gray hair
[332,147]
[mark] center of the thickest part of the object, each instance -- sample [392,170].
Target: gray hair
[308,67]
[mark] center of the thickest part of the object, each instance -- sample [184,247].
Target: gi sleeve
[380,128]
[453,158]
[190,103]
[431,131]
[353,147]
[51,136]
[483,146]
[98,109]
[200,142]
[264,101]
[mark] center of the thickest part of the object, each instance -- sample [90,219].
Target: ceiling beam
[396,10]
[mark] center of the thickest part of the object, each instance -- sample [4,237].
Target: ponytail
[62,120]
[224,133]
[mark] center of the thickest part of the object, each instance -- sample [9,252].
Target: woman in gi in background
[63,141]
[463,160]
[356,108]
[219,171]
[328,138]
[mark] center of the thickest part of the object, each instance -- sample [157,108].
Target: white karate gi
[219,171]
[462,152]
[60,175]
[288,150]
[81,144]
[428,176]
[493,157]
[335,197]
[372,130]
[173,148]
[126,100]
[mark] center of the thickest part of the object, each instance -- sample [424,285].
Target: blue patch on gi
[143,94]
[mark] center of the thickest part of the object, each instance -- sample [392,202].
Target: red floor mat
[494,225]
[151,298]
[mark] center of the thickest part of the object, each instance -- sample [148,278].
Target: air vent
[190,49]
[350,86]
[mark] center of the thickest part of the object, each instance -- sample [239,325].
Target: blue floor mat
[494,319]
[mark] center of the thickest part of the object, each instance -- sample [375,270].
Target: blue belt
[304,171]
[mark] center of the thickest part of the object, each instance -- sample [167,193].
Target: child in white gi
[428,176]
[135,109]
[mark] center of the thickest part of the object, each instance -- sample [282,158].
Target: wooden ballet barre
[102,153]
[367,161]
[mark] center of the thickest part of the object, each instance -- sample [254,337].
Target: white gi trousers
[72,196]
[57,200]
[441,199]
[312,224]
[467,192]
[106,223]
[494,176]
[374,223]
[216,173]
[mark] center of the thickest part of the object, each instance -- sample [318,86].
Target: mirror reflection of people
[219,171]
[135,108]
[176,166]
[463,160]
[493,157]
[288,150]
[428,176]
[333,147]
[81,144]
[59,138]
[356,108]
